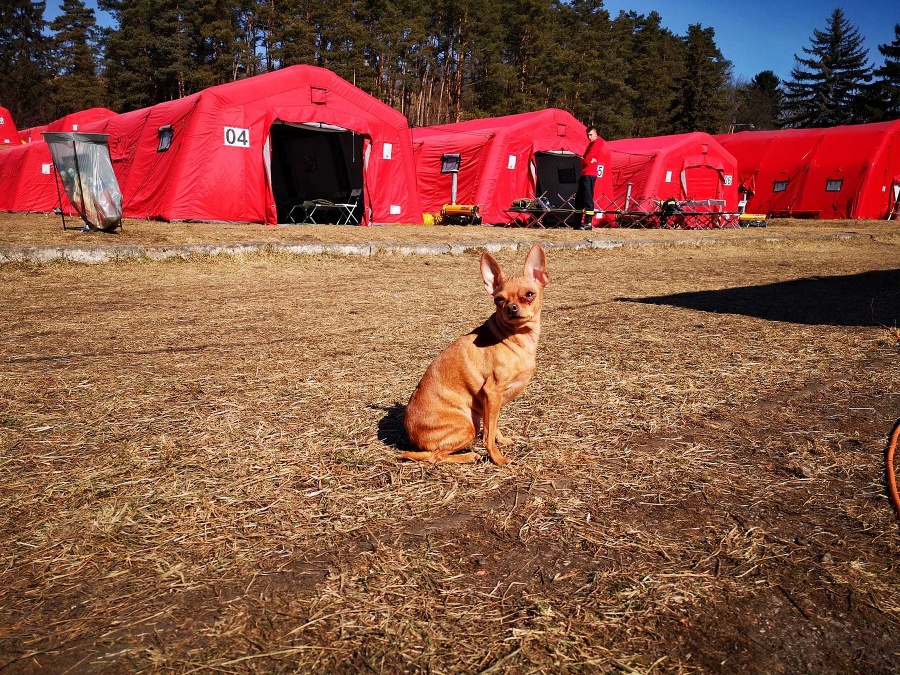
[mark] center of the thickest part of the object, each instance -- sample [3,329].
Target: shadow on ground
[866,299]
[390,427]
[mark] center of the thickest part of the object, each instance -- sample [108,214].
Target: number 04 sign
[237,137]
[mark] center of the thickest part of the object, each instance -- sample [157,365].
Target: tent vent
[561,130]
[450,163]
[834,184]
[318,95]
[165,138]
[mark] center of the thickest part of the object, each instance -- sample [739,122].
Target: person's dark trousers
[584,200]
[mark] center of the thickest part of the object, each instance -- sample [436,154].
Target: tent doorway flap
[557,177]
[315,167]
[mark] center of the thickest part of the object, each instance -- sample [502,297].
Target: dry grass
[39,229]
[199,471]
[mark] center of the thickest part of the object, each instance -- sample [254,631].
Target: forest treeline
[439,62]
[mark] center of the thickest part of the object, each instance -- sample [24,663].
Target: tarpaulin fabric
[833,172]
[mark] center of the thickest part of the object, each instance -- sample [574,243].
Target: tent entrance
[557,177]
[702,182]
[894,211]
[317,174]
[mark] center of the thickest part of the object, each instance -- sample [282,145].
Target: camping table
[307,213]
[537,216]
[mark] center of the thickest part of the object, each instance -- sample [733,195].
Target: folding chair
[348,209]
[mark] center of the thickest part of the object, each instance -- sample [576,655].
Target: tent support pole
[59,196]
[83,212]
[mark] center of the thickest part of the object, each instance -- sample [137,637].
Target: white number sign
[237,137]
[727,178]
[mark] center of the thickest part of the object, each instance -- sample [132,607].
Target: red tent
[76,120]
[503,159]
[686,167]
[837,172]
[26,172]
[9,135]
[26,179]
[256,149]
[71,122]
[31,134]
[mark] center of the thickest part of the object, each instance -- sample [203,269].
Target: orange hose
[889,461]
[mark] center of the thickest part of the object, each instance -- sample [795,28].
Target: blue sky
[766,34]
[754,36]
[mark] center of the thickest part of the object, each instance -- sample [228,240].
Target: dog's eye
[498,299]
[529,295]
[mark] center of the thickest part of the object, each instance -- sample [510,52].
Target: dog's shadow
[390,427]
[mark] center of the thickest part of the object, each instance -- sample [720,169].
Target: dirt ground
[25,230]
[199,459]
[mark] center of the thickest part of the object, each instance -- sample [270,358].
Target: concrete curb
[115,253]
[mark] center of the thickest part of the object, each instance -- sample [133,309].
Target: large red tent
[257,149]
[253,150]
[26,179]
[9,135]
[27,182]
[838,172]
[503,159]
[70,122]
[685,167]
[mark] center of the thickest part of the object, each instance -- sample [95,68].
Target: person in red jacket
[591,169]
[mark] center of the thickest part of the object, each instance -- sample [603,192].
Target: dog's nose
[512,308]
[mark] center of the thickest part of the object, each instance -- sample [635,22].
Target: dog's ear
[536,266]
[491,273]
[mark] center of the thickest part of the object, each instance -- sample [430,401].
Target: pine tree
[289,32]
[702,103]
[24,62]
[885,91]
[758,104]
[655,62]
[220,40]
[151,55]
[826,85]
[592,83]
[76,53]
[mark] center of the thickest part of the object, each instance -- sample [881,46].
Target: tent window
[450,163]
[566,174]
[165,138]
[780,186]
[834,184]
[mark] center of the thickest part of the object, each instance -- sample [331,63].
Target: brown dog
[465,386]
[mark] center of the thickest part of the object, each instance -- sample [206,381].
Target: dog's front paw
[497,456]
[502,440]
